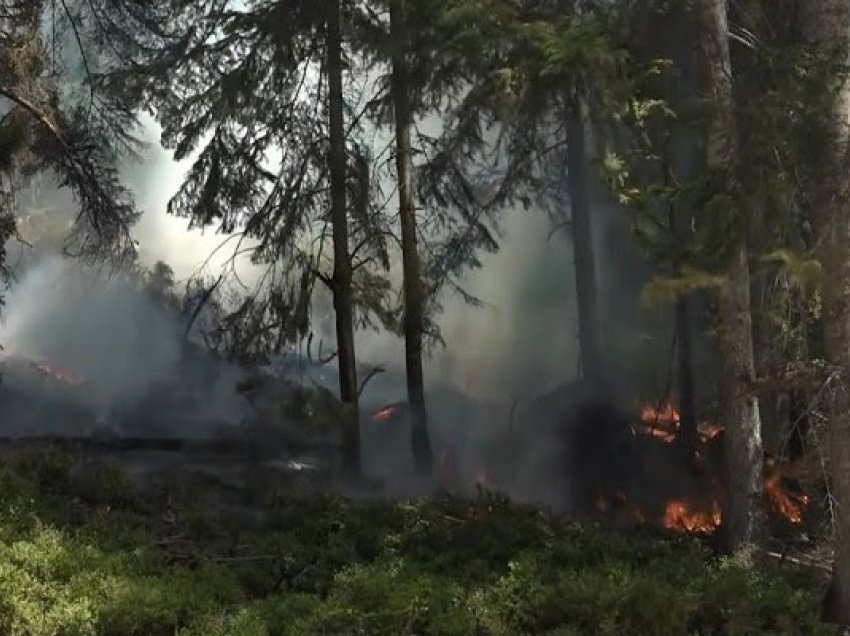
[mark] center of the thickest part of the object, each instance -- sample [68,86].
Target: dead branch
[793,378]
[323,361]
[247,558]
[810,563]
[372,373]
[201,303]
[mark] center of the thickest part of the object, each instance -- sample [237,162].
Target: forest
[518,317]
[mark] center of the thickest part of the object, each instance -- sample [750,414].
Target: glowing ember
[51,371]
[384,414]
[679,516]
[662,423]
[708,431]
[787,504]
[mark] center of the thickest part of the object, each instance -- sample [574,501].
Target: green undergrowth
[83,551]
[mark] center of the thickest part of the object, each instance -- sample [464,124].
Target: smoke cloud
[104,329]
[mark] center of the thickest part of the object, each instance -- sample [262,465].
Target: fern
[666,289]
[805,274]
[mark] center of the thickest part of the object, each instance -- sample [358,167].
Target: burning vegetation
[53,372]
[700,511]
[384,414]
[635,470]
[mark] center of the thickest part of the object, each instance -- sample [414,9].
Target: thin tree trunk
[413,296]
[687,402]
[685,375]
[739,406]
[750,16]
[590,338]
[342,274]
[826,24]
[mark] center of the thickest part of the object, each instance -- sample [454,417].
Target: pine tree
[414,307]
[740,414]
[262,95]
[826,28]
[45,129]
[341,281]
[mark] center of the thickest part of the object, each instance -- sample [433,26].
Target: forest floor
[85,549]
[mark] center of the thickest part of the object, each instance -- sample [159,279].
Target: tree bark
[826,25]
[739,406]
[687,401]
[413,292]
[590,338]
[343,299]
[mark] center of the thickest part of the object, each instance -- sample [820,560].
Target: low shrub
[114,561]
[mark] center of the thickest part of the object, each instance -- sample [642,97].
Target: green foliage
[665,289]
[802,273]
[325,565]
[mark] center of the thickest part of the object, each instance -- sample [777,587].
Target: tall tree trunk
[413,293]
[826,24]
[681,161]
[590,337]
[342,274]
[739,409]
[687,401]
[685,372]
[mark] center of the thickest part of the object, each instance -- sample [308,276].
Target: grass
[83,551]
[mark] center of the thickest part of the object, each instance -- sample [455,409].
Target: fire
[708,431]
[662,423]
[778,498]
[384,414]
[679,516]
[52,371]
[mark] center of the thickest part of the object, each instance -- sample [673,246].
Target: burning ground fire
[679,516]
[699,514]
[385,414]
[52,371]
[663,423]
[789,505]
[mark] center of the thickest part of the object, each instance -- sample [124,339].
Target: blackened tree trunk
[342,272]
[826,24]
[687,401]
[680,227]
[590,337]
[413,292]
[739,405]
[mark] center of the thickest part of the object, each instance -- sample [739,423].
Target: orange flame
[788,505]
[709,431]
[384,414]
[679,516]
[51,371]
[662,423]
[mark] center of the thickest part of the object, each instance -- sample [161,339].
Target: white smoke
[97,326]
[103,328]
